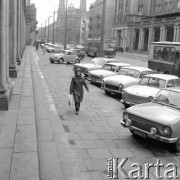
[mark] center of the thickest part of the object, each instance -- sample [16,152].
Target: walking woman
[76,88]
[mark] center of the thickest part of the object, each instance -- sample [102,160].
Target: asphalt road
[96,134]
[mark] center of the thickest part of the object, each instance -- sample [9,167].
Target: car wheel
[107,92]
[166,72]
[52,61]
[77,61]
[126,105]
[61,60]
[176,146]
[135,135]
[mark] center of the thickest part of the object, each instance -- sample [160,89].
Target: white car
[66,56]
[109,69]
[126,77]
[96,63]
[147,88]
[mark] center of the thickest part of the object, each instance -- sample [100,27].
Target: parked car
[96,63]
[159,119]
[67,56]
[49,48]
[80,53]
[126,77]
[109,69]
[147,88]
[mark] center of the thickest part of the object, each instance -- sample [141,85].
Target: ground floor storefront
[138,35]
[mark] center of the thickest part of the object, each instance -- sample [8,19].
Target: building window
[157,1]
[168,6]
[140,10]
[178,5]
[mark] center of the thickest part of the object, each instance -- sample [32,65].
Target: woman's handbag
[71,100]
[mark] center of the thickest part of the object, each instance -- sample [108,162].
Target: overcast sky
[46,7]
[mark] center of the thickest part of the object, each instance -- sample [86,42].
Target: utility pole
[48,29]
[152,29]
[101,53]
[45,32]
[65,30]
[53,26]
[41,31]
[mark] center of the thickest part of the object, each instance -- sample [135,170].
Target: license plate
[139,133]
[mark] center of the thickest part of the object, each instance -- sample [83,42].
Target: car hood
[116,80]
[57,55]
[102,72]
[144,91]
[155,112]
[88,66]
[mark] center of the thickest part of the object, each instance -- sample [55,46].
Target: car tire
[166,72]
[52,61]
[126,105]
[107,92]
[61,60]
[134,135]
[176,146]
[77,61]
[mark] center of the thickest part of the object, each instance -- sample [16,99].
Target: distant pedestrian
[76,88]
[44,48]
[37,46]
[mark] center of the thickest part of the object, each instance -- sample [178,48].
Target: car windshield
[168,97]
[109,67]
[129,72]
[153,82]
[99,62]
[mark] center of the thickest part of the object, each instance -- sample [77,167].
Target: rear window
[177,82]
[164,53]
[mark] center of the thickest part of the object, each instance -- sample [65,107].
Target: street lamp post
[54,26]
[101,53]
[48,26]
[45,31]
[65,33]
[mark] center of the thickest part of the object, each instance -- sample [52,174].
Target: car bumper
[111,90]
[148,134]
[127,102]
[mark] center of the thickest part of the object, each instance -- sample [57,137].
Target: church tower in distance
[83,6]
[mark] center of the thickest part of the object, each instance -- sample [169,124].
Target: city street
[95,134]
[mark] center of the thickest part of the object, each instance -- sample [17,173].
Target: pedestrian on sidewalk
[76,88]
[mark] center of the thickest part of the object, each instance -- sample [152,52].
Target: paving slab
[24,166]
[5,163]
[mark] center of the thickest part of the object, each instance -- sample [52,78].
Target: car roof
[67,50]
[118,64]
[106,59]
[138,68]
[163,76]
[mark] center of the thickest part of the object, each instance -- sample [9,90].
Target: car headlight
[128,122]
[120,87]
[103,84]
[125,116]
[150,98]
[167,131]
[153,131]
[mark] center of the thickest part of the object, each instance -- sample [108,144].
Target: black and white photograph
[89,89]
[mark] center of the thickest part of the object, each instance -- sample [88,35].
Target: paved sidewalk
[31,131]
[138,56]
[18,137]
